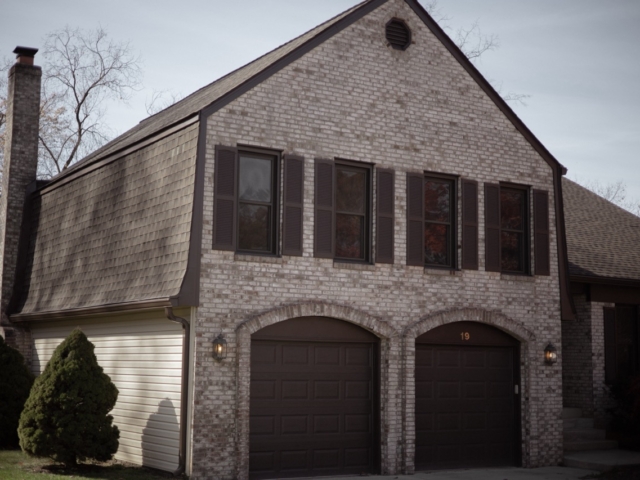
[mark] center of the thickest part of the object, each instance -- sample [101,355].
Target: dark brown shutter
[541,232]
[610,367]
[293,205]
[492,227]
[415,219]
[225,181]
[324,216]
[470,224]
[384,216]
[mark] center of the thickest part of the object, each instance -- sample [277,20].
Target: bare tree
[82,71]
[615,192]
[161,99]
[473,44]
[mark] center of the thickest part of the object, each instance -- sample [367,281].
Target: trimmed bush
[67,416]
[15,383]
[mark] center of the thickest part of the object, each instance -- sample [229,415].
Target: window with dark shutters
[541,232]
[324,209]
[492,227]
[470,224]
[246,200]
[440,214]
[293,205]
[352,211]
[514,229]
[415,219]
[385,216]
[224,223]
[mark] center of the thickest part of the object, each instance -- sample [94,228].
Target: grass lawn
[15,465]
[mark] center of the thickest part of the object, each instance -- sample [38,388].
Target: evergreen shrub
[67,416]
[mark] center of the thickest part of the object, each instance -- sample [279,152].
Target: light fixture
[550,354]
[219,348]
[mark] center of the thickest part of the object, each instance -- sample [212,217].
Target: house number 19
[465,335]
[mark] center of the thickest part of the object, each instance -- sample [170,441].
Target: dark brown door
[313,403]
[466,400]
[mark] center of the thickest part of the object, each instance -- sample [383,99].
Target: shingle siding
[119,233]
[353,97]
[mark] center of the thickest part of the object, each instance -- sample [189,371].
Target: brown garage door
[466,401]
[313,399]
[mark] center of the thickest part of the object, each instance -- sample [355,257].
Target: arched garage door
[313,401]
[467,405]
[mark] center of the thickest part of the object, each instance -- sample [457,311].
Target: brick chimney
[19,171]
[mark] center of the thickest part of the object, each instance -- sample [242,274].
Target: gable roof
[603,240]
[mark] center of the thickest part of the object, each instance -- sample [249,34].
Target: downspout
[184,390]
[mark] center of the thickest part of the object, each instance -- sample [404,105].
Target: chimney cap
[25,52]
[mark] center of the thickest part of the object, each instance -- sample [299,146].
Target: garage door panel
[447,358]
[311,409]
[327,356]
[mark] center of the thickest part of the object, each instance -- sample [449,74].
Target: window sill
[245,257]
[442,272]
[518,277]
[353,266]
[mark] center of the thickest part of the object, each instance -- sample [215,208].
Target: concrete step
[584,445]
[577,434]
[602,460]
[570,423]
[571,412]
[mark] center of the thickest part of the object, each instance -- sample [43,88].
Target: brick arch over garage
[489,317]
[369,322]
[530,350]
[390,371]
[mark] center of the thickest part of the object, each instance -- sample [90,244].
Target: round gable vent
[398,34]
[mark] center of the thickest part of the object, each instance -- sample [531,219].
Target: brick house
[346,256]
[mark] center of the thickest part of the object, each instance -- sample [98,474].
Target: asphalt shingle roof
[118,234]
[603,240]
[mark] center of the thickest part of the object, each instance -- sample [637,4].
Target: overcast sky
[579,60]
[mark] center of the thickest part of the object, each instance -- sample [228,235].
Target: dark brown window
[246,200]
[256,202]
[431,220]
[514,228]
[352,212]
[343,210]
[439,222]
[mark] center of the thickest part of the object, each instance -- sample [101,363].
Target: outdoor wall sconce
[550,354]
[220,348]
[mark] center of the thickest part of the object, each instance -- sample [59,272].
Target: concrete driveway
[507,473]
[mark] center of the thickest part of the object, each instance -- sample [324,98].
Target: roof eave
[137,306]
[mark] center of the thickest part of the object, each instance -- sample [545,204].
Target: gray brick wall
[355,98]
[19,170]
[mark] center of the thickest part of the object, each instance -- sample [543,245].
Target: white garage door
[143,356]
